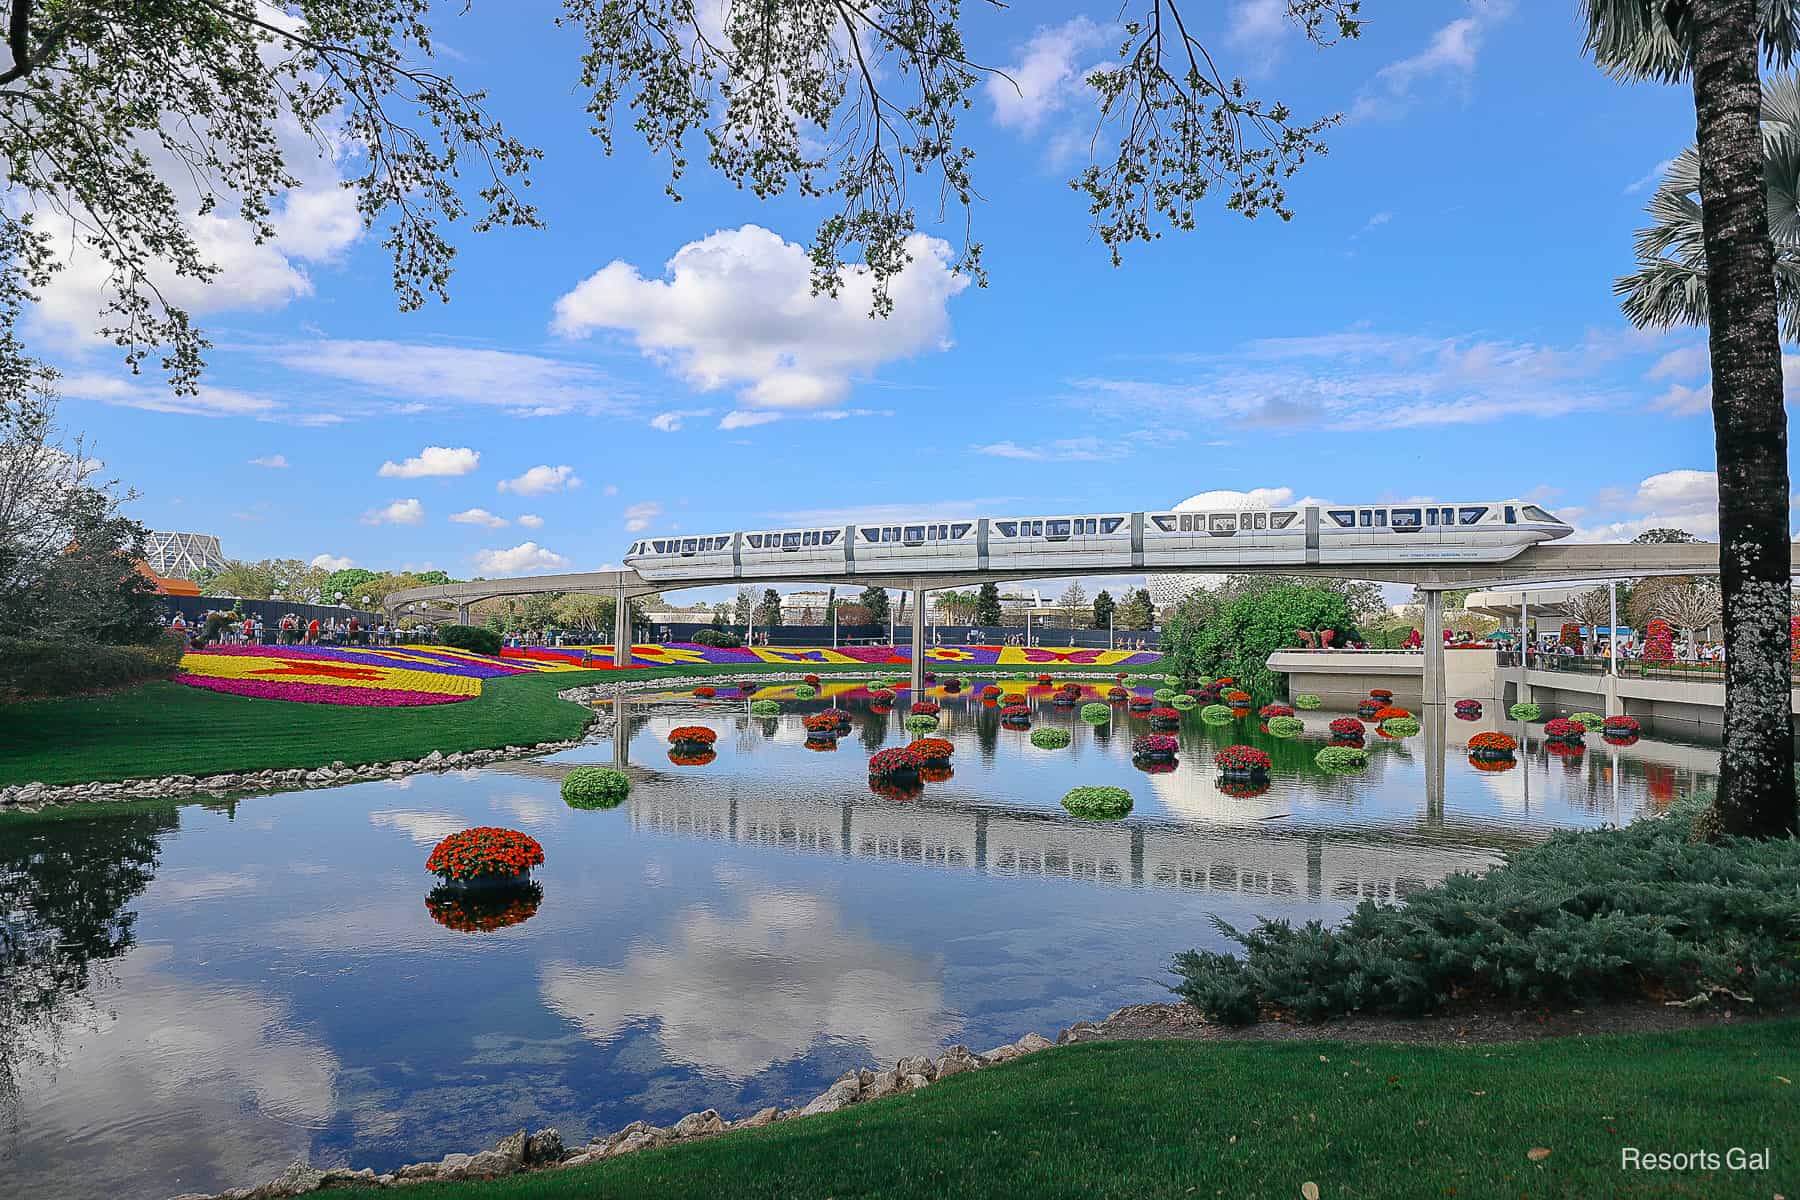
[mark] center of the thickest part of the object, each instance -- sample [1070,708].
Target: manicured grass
[1250,1119]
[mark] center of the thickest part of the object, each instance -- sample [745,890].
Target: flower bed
[1096,714]
[895,762]
[1050,738]
[1274,710]
[1306,701]
[1217,714]
[686,757]
[934,749]
[1016,713]
[1341,759]
[1236,698]
[595,787]
[1286,727]
[483,912]
[318,693]
[1399,727]
[692,735]
[1164,717]
[925,708]
[1526,711]
[1383,695]
[1242,760]
[485,854]
[764,708]
[1154,746]
[1561,729]
[1492,746]
[920,724]
[1098,803]
[1347,729]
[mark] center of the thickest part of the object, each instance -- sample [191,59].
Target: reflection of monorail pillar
[1137,854]
[981,819]
[1315,866]
[844,831]
[918,644]
[1434,649]
[1433,717]
[621,627]
[621,733]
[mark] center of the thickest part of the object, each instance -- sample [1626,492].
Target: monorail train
[1322,534]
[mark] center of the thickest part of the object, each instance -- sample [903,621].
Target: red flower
[692,735]
[1242,759]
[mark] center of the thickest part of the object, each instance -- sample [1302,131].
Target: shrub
[806,692]
[1587,720]
[1163,695]
[1098,803]
[1217,714]
[692,735]
[1050,738]
[764,708]
[1096,714]
[934,749]
[718,639]
[1274,710]
[899,760]
[921,723]
[1286,727]
[1242,760]
[1308,701]
[595,787]
[1526,711]
[478,639]
[1184,703]
[1342,758]
[1639,913]
[31,669]
[1347,729]
[1155,745]
[1400,726]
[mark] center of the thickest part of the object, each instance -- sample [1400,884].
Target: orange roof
[168,587]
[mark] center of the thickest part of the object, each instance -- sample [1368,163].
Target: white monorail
[1311,535]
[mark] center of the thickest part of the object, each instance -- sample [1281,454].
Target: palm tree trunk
[1756,782]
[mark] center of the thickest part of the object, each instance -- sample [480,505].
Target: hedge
[478,639]
[31,669]
[595,787]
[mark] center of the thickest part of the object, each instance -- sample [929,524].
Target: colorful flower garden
[690,654]
[397,677]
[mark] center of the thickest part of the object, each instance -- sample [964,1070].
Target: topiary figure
[920,723]
[1286,727]
[1096,714]
[1525,711]
[1217,714]
[1400,726]
[1163,695]
[805,692]
[764,708]
[1587,720]
[1339,759]
[1306,702]
[1098,803]
[1050,738]
[595,787]
[1184,702]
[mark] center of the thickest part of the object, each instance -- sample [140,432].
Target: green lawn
[1259,1119]
[161,728]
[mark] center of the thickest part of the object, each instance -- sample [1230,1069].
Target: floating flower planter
[483,911]
[595,787]
[764,708]
[1236,698]
[1340,760]
[1366,709]
[952,686]
[1492,747]
[1269,711]
[1622,726]
[690,758]
[925,708]
[1347,730]
[1098,803]
[1050,738]
[1382,695]
[1141,704]
[920,724]
[902,787]
[1399,727]
[822,728]
[1388,712]
[1045,680]
[1526,711]
[1211,694]
[1163,695]
[806,691]
[485,857]
[1589,721]
[1468,710]
[1243,787]
[692,738]
[936,773]
[1306,702]
[1016,714]
[1493,764]
[929,677]
[1567,751]
[990,689]
[1155,747]
[1184,703]
[1218,714]
[1564,731]
[1241,762]
[821,744]
[1285,727]
[1117,694]
[1096,714]
[933,749]
[810,680]
[705,693]
[900,762]
[881,695]
[836,714]
[1164,718]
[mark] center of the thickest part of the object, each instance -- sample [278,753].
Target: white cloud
[639,516]
[1256,23]
[737,418]
[1684,362]
[519,560]
[736,310]
[210,401]
[275,462]
[479,516]
[1375,222]
[1650,178]
[423,828]
[1078,449]
[531,521]
[433,461]
[1451,54]
[540,480]
[669,422]
[1682,499]
[1048,78]
[332,562]
[921,510]
[400,512]
[425,375]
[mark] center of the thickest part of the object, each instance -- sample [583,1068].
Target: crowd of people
[235,629]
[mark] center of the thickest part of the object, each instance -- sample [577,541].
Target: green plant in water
[1587,720]
[1049,737]
[1400,726]
[1096,714]
[1287,727]
[1163,694]
[1098,803]
[1183,701]
[1217,714]
[764,708]
[1308,701]
[1527,711]
[595,787]
[1342,758]
[920,723]
[805,691]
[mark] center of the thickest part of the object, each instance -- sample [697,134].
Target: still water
[192,997]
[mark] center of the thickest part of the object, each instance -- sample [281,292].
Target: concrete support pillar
[1434,650]
[621,628]
[621,732]
[1524,638]
[462,614]
[918,644]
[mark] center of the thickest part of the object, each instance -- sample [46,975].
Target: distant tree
[1074,603]
[957,608]
[1103,609]
[875,602]
[853,612]
[1237,637]
[1663,536]
[1137,613]
[768,613]
[745,604]
[987,605]
[346,582]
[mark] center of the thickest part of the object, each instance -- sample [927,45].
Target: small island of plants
[1098,803]
[485,855]
[1050,738]
[595,787]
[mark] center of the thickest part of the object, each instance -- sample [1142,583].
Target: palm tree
[1714,45]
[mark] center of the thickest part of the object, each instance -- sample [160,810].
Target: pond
[194,996]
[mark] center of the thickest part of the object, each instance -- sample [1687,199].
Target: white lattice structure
[182,555]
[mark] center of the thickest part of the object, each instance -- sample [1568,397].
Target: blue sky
[1436,321]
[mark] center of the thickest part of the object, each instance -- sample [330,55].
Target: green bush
[1096,714]
[1526,712]
[1217,714]
[1183,702]
[595,787]
[1049,737]
[1287,727]
[920,723]
[1308,701]
[1589,721]
[1163,694]
[1342,758]
[764,708]
[1400,726]
[1628,914]
[719,639]
[32,669]
[1098,803]
[477,639]
[805,691]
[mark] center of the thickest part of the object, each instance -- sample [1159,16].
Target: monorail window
[958,530]
[1223,523]
[1280,520]
[1166,524]
[1406,518]
[1534,513]
[1262,520]
[1007,528]
[1037,529]
[1345,517]
[1365,518]
[831,535]
[1111,524]
[913,535]
[1187,524]
[1510,519]
[790,541]
[1381,518]
[690,545]
[1246,521]
[871,535]
[1471,516]
[1056,528]
[890,534]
